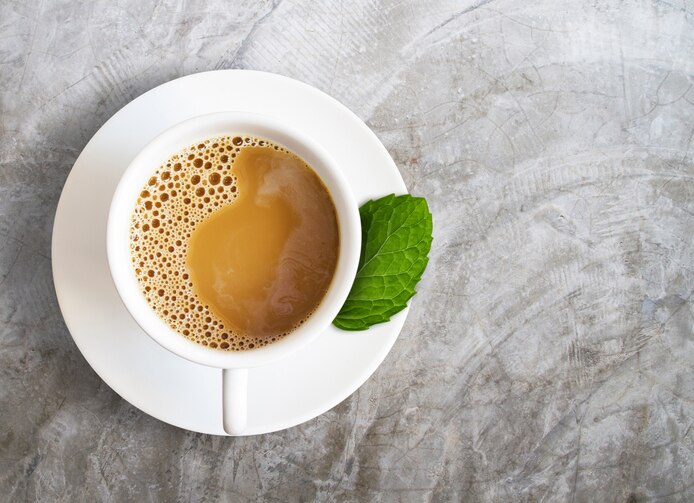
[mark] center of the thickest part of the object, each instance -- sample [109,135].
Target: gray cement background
[549,353]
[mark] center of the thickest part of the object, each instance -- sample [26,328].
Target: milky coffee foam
[182,192]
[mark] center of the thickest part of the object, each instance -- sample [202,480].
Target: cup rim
[173,140]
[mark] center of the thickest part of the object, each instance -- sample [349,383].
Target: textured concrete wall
[549,353]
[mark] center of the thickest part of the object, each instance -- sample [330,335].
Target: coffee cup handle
[234,400]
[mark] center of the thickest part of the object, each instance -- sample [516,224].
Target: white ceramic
[235,363]
[175,390]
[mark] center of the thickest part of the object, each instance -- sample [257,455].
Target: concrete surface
[549,353]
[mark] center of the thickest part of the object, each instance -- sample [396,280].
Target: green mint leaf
[396,239]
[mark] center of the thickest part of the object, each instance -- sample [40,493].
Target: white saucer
[154,380]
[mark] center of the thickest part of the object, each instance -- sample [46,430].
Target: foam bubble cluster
[179,195]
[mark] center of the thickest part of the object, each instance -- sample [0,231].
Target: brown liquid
[234,242]
[264,262]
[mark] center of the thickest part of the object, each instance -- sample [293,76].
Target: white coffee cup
[234,363]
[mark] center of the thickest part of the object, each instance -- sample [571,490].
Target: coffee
[234,242]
